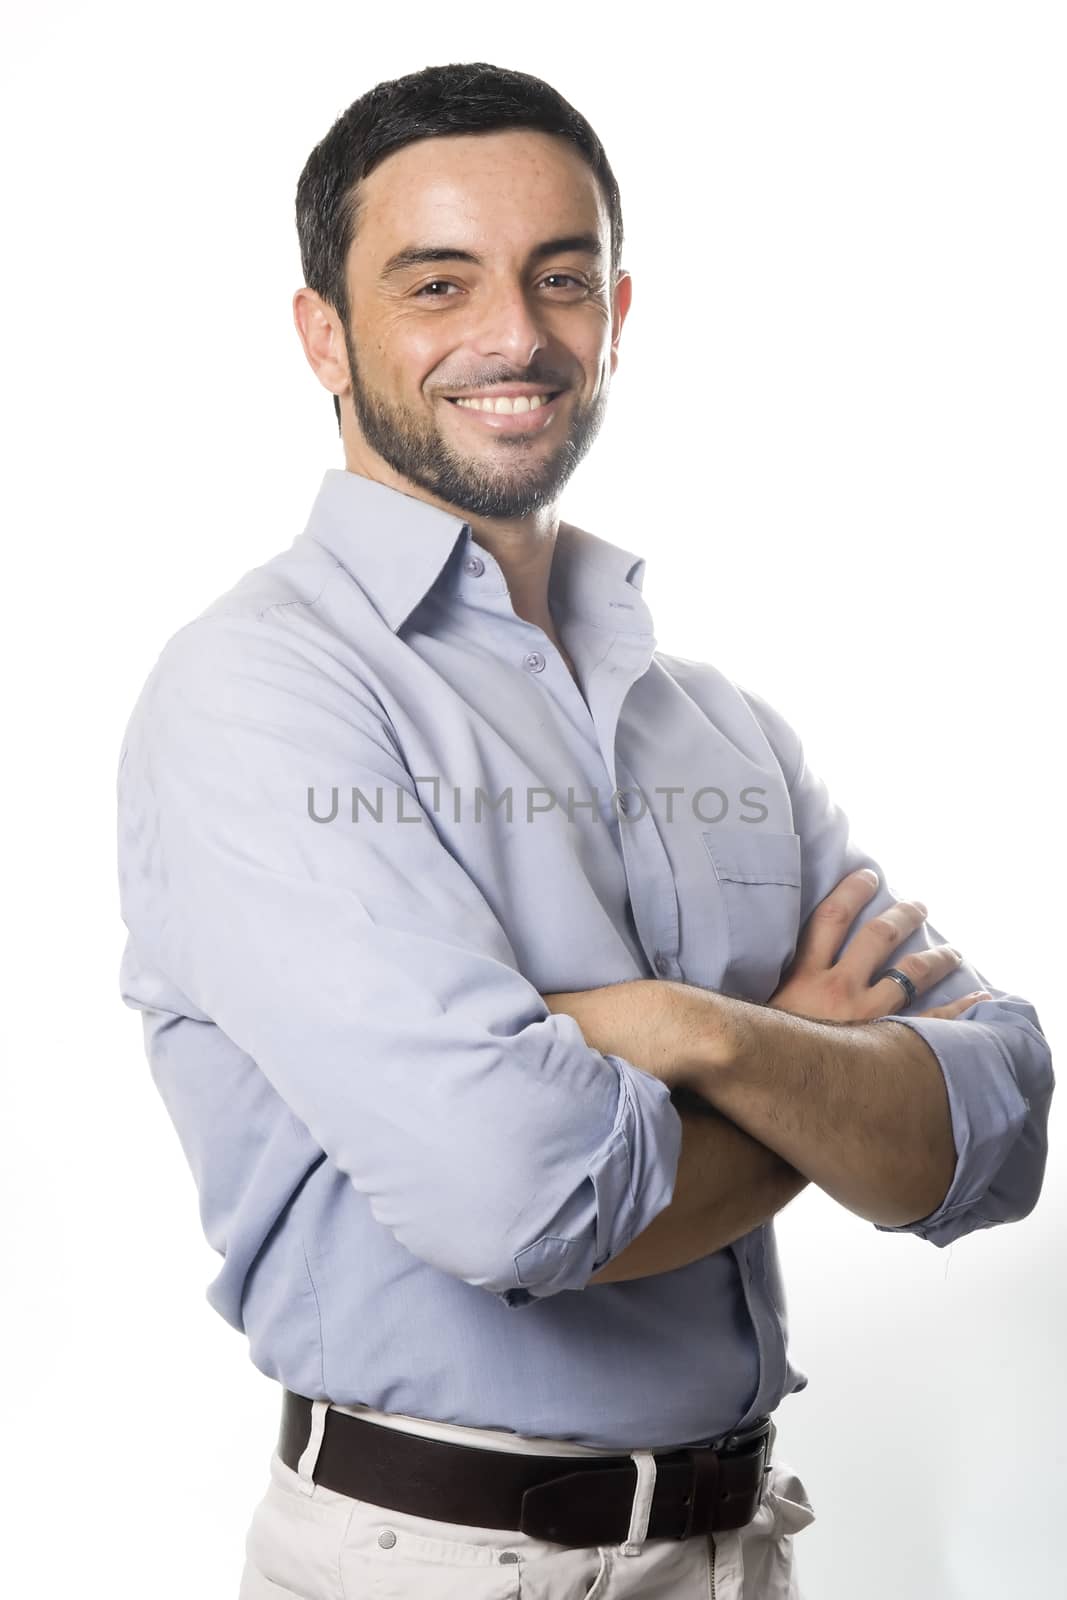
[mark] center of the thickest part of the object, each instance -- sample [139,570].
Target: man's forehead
[460,178]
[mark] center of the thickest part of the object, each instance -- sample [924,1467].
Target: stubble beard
[521,483]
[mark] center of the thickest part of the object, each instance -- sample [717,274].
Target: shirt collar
[397,547]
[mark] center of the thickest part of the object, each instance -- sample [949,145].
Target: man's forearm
[860,1109]
[727,1183]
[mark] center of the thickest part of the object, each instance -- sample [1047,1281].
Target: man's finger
[827,928]
[925,968]
[877,942]
[954,1007]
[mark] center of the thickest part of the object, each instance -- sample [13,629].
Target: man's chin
[468,484]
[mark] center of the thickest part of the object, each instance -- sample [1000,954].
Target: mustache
[482,380]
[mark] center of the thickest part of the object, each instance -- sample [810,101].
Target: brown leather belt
[571,1500]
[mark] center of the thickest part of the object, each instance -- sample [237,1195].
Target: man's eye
[443,283]
[437,283]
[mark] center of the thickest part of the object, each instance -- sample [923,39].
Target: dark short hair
[462,97]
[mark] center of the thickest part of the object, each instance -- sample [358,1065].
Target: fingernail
[981,994]
[921,906]
[871,877]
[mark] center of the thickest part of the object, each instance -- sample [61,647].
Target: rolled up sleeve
[994,1057]
[997,1069]
[359,966]
[640,1157]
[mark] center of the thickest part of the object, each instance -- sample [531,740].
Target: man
[503,975]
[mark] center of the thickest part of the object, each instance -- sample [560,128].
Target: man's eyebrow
[419,255]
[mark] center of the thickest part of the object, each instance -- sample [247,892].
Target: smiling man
[480,375]
[503,975]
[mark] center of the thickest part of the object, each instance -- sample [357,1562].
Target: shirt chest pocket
[758,875]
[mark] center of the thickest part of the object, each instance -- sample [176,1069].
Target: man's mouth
[522,413]
[506,405]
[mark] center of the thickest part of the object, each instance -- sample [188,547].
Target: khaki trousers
[306,1542]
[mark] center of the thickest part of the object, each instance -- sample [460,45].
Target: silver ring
[904,981]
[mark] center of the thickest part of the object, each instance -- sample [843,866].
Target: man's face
[512,290]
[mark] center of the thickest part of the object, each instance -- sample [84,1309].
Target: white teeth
[506,405]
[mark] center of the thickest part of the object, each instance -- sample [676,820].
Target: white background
[836,433]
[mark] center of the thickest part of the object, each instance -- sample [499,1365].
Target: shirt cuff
[988,1114]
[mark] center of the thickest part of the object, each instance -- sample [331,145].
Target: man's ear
[319,330]
[620,305]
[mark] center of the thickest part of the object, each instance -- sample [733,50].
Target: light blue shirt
[409,1167]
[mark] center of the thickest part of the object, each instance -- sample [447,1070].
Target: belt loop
[306,1465]
[645,1462]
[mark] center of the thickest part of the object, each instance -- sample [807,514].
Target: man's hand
[626,1017]
[816,985]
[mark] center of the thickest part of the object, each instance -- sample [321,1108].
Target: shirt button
[662,963]
[508,1555]
[474,565]
[387,1539]
[534,661]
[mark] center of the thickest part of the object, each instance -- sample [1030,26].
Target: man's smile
[509,413]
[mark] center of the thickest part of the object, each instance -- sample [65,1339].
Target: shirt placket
[654,896]
[649,874]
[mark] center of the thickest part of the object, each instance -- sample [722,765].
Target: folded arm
[927,1125]
[861,1112]
[994,1059]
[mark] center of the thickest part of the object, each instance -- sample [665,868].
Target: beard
[524,479]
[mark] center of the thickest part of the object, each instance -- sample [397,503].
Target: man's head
[461,232]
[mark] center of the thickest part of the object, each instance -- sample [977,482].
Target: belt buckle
[762,1432]
[706,1474]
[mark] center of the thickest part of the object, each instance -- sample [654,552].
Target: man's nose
[509,325]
